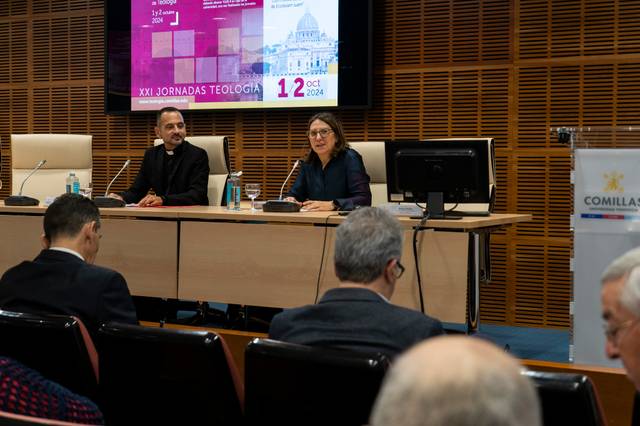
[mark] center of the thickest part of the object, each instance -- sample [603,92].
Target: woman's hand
[293,200]
[318,206]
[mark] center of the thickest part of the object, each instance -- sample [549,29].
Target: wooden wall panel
[12,8]
[510,69]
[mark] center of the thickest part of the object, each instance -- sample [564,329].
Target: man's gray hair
[626,265]
[630,296]
[452,381]
[365,242]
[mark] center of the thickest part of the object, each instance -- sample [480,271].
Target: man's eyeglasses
[399,269]
[612,330]
[322,132]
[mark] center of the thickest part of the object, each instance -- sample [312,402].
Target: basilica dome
[307,23]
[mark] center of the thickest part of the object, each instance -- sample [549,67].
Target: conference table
[265,259]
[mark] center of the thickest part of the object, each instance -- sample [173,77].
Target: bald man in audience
[620,296]
[456,381]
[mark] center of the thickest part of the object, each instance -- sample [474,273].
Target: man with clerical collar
[176,171]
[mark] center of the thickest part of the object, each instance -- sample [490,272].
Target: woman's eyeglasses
[322,132]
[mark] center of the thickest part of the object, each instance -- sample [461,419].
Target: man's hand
[150,201]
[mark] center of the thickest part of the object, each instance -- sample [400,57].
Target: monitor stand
[435,207]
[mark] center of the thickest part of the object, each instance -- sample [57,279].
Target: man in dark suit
[62,278]
[358,315]
[177,171]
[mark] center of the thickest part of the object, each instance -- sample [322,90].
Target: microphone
[23,200]
[287,179]
[280,205]
[107,201]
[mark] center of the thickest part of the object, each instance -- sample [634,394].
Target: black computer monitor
[453,171]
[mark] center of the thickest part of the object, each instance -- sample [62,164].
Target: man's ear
[45,242]
[87,230]
[389,272]
[157,130]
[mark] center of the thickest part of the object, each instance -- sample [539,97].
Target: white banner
[607,190]
[606,224]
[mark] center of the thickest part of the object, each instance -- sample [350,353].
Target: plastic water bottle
[69,183]
[234,191]
[72,184]
[237,193]
[230,193]
[75,185]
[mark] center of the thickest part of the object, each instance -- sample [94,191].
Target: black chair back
[166,376]
[287,383]
[54,345]
[567,399]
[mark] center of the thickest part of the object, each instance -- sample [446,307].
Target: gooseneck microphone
[107,201]
[280,205]
[23,200]
[287,179]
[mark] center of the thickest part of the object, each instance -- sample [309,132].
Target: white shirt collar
[382,297]
[66,250]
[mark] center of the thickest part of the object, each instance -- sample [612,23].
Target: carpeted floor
[543,344]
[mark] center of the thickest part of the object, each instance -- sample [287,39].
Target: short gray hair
[630,296]
[455,380]
[365,242]
[627,265]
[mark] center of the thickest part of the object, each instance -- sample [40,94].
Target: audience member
[177,171]
[621,312]
[456,381]
[358,315]
[333,176]
[62,278]
[24,391]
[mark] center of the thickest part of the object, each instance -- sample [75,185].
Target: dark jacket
[344,180]
[56,282]
[356,319]
[186,186]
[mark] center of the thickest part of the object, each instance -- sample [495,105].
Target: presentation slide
[198,54]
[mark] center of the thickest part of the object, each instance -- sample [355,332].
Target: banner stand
[605,223]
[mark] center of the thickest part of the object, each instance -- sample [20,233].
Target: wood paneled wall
[510,69]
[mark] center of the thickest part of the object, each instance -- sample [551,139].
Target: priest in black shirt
[177,171]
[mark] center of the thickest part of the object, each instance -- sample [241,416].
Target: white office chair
[374,161]
[217,148]
[64,154]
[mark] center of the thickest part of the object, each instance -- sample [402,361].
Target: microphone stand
[23,200]
[280,205]
[107,201]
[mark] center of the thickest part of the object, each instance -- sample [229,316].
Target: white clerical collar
[66,250]
[169,152]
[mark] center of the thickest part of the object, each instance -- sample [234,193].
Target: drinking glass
[252,190]
[87,190]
